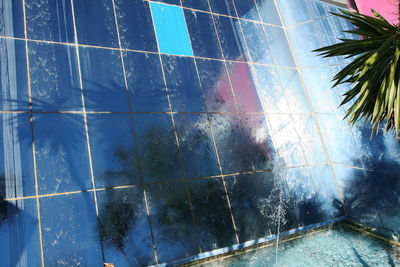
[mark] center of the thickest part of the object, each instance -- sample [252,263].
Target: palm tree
[374,73]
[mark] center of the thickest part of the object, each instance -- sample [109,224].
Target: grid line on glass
[33,139]
[86,126]
[134,135]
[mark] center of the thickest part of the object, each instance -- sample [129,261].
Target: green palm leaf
[374,74]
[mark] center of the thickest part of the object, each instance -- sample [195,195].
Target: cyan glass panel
[379,153]
[49,20]
[359,200]
[246,202]
[19,233]
[202,34]
[145,82]
[158,150]
[13,79]
[269,90]
[113,150]
[259,141]
[294,11]
[135,25]
[16,156]
[216,87]
[387,188]
[172,221]
[12,19]
[62,161]
[223,7]
[183,84]
[309,138]
[103,80]
[172,2]
[268,12]
[54,77]
[286,140]
[229,36]
[328,37]
[256,42]
[338,140]
[212,214]
[247,9]
[124,227]
[293,90]
[243,86]
[279,46]
[307,204]
[232,149]
[195,140]
[95,23]
[171,30]
[70,234]
[327,191]
[274,201]
[304,39]
[320,9]
[318,82]
[196,4]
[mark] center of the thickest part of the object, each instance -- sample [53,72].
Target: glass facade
[140,132]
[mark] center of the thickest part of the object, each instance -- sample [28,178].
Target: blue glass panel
[195,140]
[19,233]
[247,9]
[379,153]
[304,39]
[229,32]
[216,87]
[309,138]
[358,199]
[135,25]
[286,140]
[327,191]
[270,90]
[124,227]
[183,84]
[294,11]
[13,79]
[145,82]
[12,19]
[50,20]
[171,30]
[327,36]
[279,46]
[212,214]
[338,140]
[172,2]
[320,9]
[268,12]
[54,77]
[293,90]
[113,150]
[223,7]
[242,82]
[259,141]
[307,205]
[232,150]
[274,201]
[70,234]
[16,156]
[172,221]
[318,82]
[196,4]
[246,204]
[103,80]
[386,187]
[202,34]
[95,23]
[62,160]
[256,42]
[157,147]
